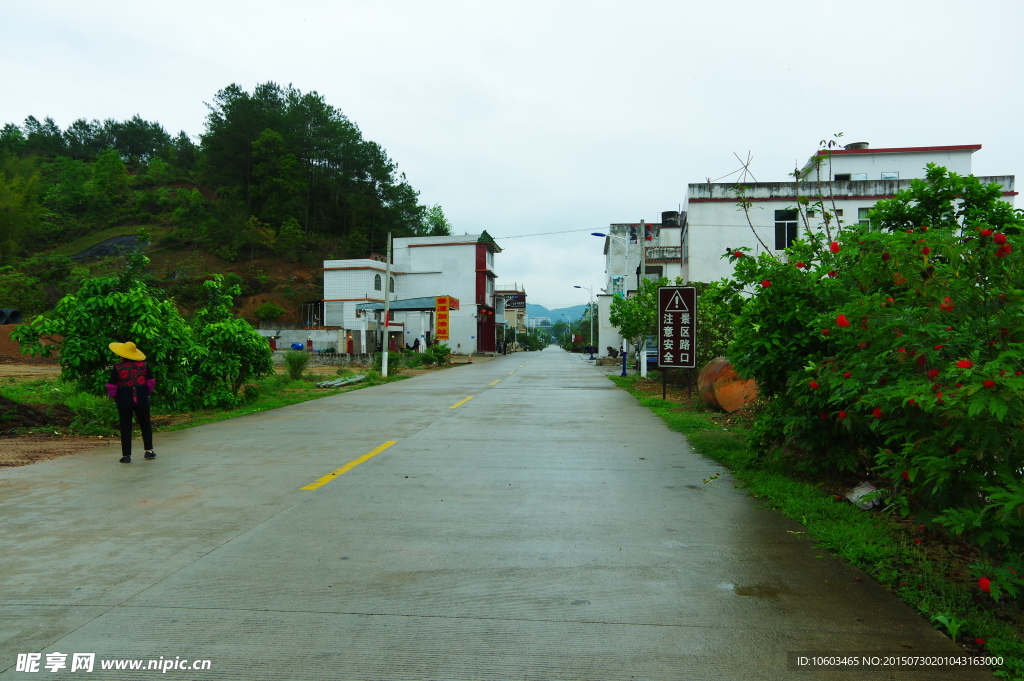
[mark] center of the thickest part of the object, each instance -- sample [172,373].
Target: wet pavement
[546,528]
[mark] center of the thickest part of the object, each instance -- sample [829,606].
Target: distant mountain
[574,312]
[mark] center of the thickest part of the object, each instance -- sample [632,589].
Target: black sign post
[677,329]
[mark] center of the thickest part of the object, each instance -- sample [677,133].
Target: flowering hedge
[898,348]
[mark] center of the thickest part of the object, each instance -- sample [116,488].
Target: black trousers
[125,410]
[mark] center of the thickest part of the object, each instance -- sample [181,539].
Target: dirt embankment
[10,351]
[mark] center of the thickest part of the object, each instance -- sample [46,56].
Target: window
[391,286]
[839,212]
[857,177]
[862,216]
[890,176]
[376,282]
[785,229]
[842,177]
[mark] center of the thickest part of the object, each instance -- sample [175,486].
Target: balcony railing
[663,253]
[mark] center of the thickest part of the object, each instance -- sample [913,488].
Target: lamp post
[590,308]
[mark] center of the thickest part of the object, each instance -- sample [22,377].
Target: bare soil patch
[25,449]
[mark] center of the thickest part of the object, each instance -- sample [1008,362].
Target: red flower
[834,247]
[876,412]
[980,641]
[959,385]
[933,373]
[999,239]
[917,540]
[1000,253]
[862,345]
[823,415]
[832,273]
[939,347]
[891,300]
[123,373]
[847,374]
[964,364]
[926,250]
[737,254]
[906,475]
[902,350]
[886,256]
[989,384]
[842,321]
[985,584]
[813,384]
[842,415]
[825,332]
[766,283]
[986,232]
[800,263]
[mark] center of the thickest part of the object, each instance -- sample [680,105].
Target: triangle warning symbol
[676,303]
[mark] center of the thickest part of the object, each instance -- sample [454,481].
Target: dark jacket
[131,382]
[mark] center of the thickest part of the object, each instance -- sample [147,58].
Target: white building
[630,248]
[422,267]
[851,180]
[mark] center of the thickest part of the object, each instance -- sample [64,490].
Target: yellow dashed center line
[349,466]
[512,372]
[462,402]
[493,382]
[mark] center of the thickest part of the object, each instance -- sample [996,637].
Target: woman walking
[130,385]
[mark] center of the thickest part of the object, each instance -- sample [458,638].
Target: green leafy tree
[635,317]
[20,210]
[110,180]
[21,291]
[231,353]
[435,223]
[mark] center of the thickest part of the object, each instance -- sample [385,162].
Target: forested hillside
[277,181]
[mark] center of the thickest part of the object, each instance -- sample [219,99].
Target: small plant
[345,372]
[437,354]
[296,361]
[93,415]
[952,624]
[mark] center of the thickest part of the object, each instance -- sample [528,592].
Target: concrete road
[529,522]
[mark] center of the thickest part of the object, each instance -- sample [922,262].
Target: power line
[567,231]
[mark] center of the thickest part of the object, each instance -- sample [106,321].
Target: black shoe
[126,459]
[150,455]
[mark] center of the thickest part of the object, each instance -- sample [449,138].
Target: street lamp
[591,310]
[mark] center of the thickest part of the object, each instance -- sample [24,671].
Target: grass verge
[914,570]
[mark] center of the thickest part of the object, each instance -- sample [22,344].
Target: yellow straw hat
[127,350]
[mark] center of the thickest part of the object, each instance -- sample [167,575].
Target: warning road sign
[677,327]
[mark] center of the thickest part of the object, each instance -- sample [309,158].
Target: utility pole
[387,307]
[642,350]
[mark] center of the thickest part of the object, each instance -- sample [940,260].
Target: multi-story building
[422,268]
[849,181]
[511,305]
[633,251]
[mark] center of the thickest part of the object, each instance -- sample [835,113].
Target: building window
[839,212]
[842,177]
[858,177]
[862,216]
[376,282]
[391,285]
[890,176]
[785,229]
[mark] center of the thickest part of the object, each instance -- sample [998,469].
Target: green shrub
[437,354]
[296,361]
[268,311]
[899,347]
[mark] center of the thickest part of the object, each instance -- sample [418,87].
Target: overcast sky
[529,117]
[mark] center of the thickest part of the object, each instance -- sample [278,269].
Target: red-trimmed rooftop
[900,150]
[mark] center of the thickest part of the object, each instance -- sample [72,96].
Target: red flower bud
[823,415]
[959,385]
[886,256]
[926,250]
[989,384]
[1000,253]
[800,263]
[834,247]
[964,364]
[832,273]
[918,540]
[939,346]
[985,584]
[986,232]
[891,300]
[842,321]
[825,332]
[813,384]
[980,641]
[876,412]
[933,373]
[766,283]
[737,254]
[847,374]
[1006,248]
[999,239]
[902,350]
[905,475]
[862,345]
[842,415]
